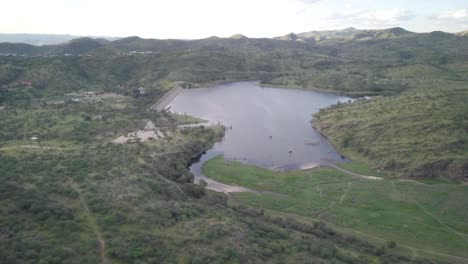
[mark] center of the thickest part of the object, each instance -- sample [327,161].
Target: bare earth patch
[149,133]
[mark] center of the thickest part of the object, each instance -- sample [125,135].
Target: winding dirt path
[414,250]
[320,191]
[333,203]
[331,165]
[345,192]
[92,222]
[412,181]
[462,235]
[171,183]
[448,228]
[35,147]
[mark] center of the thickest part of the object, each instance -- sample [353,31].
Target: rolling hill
[70,195]
[346,34]
[462,33]
[42,39]
[391,62]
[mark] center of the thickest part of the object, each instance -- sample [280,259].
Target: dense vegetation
[69,195]
[420,133]
[430,69]
[72,196]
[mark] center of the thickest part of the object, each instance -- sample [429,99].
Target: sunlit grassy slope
[423,216]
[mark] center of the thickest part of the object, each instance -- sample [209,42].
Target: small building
[25,82]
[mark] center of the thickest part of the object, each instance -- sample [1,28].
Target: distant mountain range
[346,34]
[463,33]
[42,39]
[135,45]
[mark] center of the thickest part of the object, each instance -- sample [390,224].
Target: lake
[267,127]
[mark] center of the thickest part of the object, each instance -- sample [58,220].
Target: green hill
[399,61]
[7,48]
[420,133]
[43,39]
[347,34]
[79,46]
[462,33]
[70,195]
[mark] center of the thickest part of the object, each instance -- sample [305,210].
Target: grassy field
[361,168]
[421,216]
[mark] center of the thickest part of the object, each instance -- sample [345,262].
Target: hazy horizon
[120,37]
[182,19]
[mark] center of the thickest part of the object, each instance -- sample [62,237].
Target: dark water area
[267,127]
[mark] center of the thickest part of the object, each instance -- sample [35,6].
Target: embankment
[162,103]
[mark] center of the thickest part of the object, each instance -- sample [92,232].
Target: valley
[345,146]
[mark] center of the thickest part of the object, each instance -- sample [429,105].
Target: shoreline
[197,162]
[335,92]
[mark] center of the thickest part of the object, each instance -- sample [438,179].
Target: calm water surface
[255,113]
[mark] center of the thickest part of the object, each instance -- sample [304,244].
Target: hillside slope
[347,34]
[463,33]
[42,39]
[421,133]
[380,66]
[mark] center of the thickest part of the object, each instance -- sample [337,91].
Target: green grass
[361,168]
[421,216]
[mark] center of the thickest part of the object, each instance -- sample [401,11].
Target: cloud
[203,18]
[389,15]
[379,18]
[452,20]
[309,1]
[453,15]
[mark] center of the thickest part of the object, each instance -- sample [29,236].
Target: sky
[192,19]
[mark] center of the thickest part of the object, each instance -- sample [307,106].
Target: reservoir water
[267,127]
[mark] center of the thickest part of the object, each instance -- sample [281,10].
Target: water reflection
[267,127]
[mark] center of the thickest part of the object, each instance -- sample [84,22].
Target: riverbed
[266,127]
